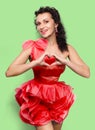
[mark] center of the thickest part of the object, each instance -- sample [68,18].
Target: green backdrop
[16,26]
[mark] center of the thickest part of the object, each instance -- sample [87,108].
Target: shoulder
[34,43]
[71,49]
[73,54]
[27,44]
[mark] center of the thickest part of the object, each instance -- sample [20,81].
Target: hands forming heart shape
[49,59]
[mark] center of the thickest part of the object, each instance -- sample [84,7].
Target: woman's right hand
[40,61]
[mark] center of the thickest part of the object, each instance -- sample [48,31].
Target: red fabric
[44,98]
[49,60]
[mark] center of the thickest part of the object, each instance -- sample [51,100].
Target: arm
[19,65]
[76,63]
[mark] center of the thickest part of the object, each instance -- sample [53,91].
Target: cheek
[52,28]
[37,28]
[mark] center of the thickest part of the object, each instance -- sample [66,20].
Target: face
[45,25]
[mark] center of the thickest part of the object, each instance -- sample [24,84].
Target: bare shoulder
[73,55]
[72,50]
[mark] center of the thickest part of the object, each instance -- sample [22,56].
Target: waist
[47,80]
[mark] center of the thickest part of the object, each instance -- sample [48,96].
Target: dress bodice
[46,74]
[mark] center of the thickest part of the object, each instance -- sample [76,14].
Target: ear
[56,25]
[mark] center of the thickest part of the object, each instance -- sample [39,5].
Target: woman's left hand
[59,59]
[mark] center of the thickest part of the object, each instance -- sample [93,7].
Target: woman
[44,101]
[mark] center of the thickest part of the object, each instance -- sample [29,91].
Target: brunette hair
[60,34]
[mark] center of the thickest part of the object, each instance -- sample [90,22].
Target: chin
[46,36]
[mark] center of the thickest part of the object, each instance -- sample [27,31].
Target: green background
[16,26]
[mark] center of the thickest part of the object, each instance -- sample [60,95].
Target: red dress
[44,98]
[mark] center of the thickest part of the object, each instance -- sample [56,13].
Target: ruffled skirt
[41,103]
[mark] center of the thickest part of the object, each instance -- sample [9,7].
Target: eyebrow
[42,20]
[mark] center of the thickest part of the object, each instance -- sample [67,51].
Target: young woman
[44,101]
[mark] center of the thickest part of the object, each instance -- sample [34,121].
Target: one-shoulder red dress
[44,98]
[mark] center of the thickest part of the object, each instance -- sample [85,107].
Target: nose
[41,26]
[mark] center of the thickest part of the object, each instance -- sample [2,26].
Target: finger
[56,63]
[45,64]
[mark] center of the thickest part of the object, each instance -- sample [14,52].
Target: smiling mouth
[43,31]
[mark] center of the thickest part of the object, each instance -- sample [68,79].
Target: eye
[38,23]
[46,21]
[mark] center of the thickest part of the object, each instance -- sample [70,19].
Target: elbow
[87,73]
[87,76]
[11,72]
[8,74]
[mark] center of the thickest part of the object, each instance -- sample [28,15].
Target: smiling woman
[44,101]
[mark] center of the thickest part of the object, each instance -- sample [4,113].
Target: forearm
[82,70]
[18,69]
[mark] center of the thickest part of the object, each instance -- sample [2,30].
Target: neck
[51,40]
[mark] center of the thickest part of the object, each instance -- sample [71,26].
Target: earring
[56,30]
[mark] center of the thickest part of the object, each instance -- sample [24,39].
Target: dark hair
[61,35]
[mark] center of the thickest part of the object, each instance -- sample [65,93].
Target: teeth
[44,31]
